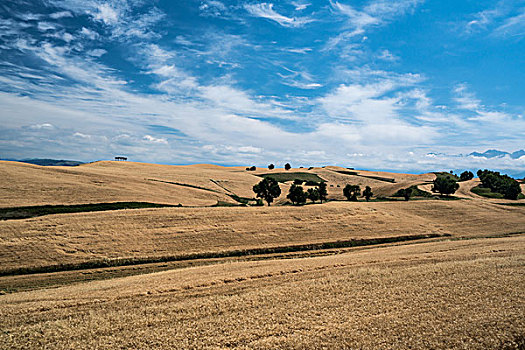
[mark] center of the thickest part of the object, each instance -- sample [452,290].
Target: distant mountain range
[494,153]
[49,162]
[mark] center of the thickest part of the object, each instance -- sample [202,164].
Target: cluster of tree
[405,192]
[252,168]
[444,185]
[267,189]
[351,192]
[271,166]
[298,196]
[466,175]
[504,184]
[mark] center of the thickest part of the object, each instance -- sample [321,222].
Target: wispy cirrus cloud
[265,10]
[357,21]
[513,26]
[128,77]
[505,19]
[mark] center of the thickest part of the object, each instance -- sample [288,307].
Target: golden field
[443,295]
[464,289]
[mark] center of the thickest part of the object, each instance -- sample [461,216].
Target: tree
[271,166]
[297,195]
[298,182]
[322,191]
[445,185]
[504,184]
[466,175]
[406,193]
[267,189]
[287,166]
[313,194]
[351,192]
[367,193]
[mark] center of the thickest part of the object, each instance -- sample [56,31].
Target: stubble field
[462,289]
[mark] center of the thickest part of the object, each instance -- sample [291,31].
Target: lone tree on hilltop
[367,193]
[297,195]
[267,189]
[322,191]
[287,166]
[445,185]
[466,175]
[271,166]
[313,194]
[351,192]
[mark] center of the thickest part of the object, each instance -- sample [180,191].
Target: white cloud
[46,26]
[388,9]
[89,33]
[81,135]
[303,50]
[513,26]
[96,52]
[215,5]
[61,14]
[386,55]
[250,149]
[299,6]
[465,99]
[265,10]
[376,13]
[357,19]
[151,139]
[44,126]
[375,118]
[107,14]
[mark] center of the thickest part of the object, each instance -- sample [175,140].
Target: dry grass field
[462,289]
[442,295]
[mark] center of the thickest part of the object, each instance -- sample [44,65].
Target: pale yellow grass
[74,238]
[442,295]
[26,184]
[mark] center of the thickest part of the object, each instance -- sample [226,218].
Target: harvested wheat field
[452,294]
[218,272]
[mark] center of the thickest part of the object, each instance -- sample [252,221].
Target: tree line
[445,184]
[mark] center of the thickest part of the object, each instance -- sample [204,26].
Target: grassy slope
[455,294]
[80,237]
[486,192]
[41,210]
[284,177]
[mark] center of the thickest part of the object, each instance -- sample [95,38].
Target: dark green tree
[296,195]
[271,166]
[504,184]
[313,194]
[351,192]
[511,189]
[406,193]
[367,193]
[267,189]
[322,191]
[466,175]
[445,185]
[287,166]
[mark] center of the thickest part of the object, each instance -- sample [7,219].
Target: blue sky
[406,85]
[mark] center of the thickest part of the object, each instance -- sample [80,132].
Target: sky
[400,85]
